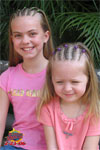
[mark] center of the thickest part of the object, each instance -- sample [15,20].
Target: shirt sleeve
[45,116]
[4,77]
[94,128]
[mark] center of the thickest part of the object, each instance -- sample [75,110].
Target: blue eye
[17,35]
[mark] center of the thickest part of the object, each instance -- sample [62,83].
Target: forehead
[68,69]
[24,21]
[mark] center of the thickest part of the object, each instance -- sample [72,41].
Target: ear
[47,35]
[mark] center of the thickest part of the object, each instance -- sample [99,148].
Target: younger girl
[30,44]
[70,107]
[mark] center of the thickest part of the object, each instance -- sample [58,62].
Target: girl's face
[28,36]
[69,80]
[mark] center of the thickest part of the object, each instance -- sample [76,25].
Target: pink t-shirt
[70,133]
[23,90]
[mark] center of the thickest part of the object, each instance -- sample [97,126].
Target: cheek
[57,89]
[82,89]
[38,42]
[16,43]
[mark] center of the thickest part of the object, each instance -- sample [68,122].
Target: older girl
[30,44]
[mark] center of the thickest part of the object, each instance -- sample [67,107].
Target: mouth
[68,95]
[28,49]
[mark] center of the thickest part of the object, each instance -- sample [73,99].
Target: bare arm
[4,105]
[50,138]
[91,143]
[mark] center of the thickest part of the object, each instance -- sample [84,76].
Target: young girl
[70,106]
[30,44]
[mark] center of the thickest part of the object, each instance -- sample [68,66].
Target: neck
[34,65]
[70,104]
[72,110]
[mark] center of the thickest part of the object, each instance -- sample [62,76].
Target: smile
[68,95]
[28,49]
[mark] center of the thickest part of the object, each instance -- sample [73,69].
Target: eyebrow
[21,32]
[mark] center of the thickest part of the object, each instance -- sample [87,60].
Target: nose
[67,87]
[25,39]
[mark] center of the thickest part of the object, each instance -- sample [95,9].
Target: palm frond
[89,26]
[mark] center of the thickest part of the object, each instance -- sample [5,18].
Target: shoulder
[10,70]
[50,109]
[47,114]
[93,126]
[52,104]
[6,76]
[6,73]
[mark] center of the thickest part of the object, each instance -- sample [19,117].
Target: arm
[4,105]
[91,143]
[50,138]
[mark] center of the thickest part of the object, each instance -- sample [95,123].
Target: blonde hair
[15,58]
[73,51]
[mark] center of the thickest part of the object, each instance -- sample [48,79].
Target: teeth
[27,49]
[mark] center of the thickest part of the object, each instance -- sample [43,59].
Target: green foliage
[89,26]
[70,21]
